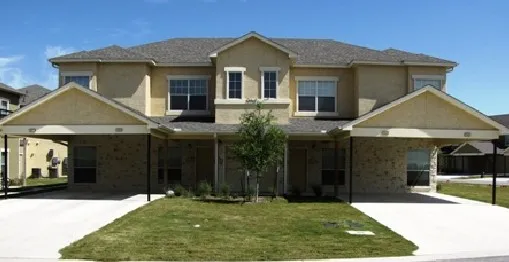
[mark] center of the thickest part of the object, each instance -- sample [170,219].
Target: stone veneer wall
[379,164]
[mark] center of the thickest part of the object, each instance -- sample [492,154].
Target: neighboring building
[474,157]
[39,151]
[165,113]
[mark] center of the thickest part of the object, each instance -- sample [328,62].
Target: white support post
[216,163]
[285,171]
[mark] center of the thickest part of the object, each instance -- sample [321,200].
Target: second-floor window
[269,82]
[80,78]
[4,107]
[421,81]
[234,82]
[188,93]
[316,96]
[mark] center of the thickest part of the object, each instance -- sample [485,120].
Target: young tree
[261,143]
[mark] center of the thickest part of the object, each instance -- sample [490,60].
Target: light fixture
[467,134]
[32,130]
[119,129]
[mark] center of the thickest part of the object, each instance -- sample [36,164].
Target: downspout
[6,176]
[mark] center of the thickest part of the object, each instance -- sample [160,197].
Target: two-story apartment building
[358,119]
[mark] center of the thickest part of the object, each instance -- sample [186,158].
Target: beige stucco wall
[253,54]
[159,85]
[345,88]
[426,111]
[80,67]
[379,85]
[64,109]
[421,70]
[37,155]
[13,165]
[127,83]
[230,114]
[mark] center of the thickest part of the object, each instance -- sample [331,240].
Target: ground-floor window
[328,169]
[174,162]
[418,167]
[85,164]
[2,163]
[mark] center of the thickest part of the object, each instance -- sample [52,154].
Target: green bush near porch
[166,230]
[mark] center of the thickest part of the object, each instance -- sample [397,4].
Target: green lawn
[165,230]
[45,181]
[476,192]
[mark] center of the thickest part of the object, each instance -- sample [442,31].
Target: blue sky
[473,33]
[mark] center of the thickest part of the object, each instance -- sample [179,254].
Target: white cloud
[54,51]
[13,74]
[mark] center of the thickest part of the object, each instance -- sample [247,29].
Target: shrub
[439,187]
[235,195]
[317,189]
[249,193]
[204,189]
[180,190]
[15,181]
[225,191]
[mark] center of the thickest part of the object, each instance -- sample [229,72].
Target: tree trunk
[248,187]
[257,186]
[274,188]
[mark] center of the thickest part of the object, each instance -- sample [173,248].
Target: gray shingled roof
[206,124]
[482,147]
[8,88]
[197,50]
[502,119]
[32,93]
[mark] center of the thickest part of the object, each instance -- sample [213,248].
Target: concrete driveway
[441,224]
[38,226]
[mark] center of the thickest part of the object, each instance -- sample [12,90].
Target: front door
[205,165]
[298,169]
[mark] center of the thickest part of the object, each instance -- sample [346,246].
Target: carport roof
[207,124]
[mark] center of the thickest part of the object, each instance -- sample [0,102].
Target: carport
[110,144]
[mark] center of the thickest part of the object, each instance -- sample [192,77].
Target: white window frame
[188,111]
[229,70]
[428,77]
[316,79]
[77,73]
[263,70]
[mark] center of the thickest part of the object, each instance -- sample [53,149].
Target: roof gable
[264,39]
[424,107]
[60,107]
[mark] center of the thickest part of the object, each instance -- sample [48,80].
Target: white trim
[240,70]
[3,150]
[262,81]
[76,73]
[235,69]
[89,92]
[424,133]
[243,38]
[402,63]
[189,111]
[74,129]
[188,77]
[279,101]
[501,128]
[428,77]
[316,79]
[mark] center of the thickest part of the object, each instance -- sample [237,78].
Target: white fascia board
[75,129]
[425,133]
